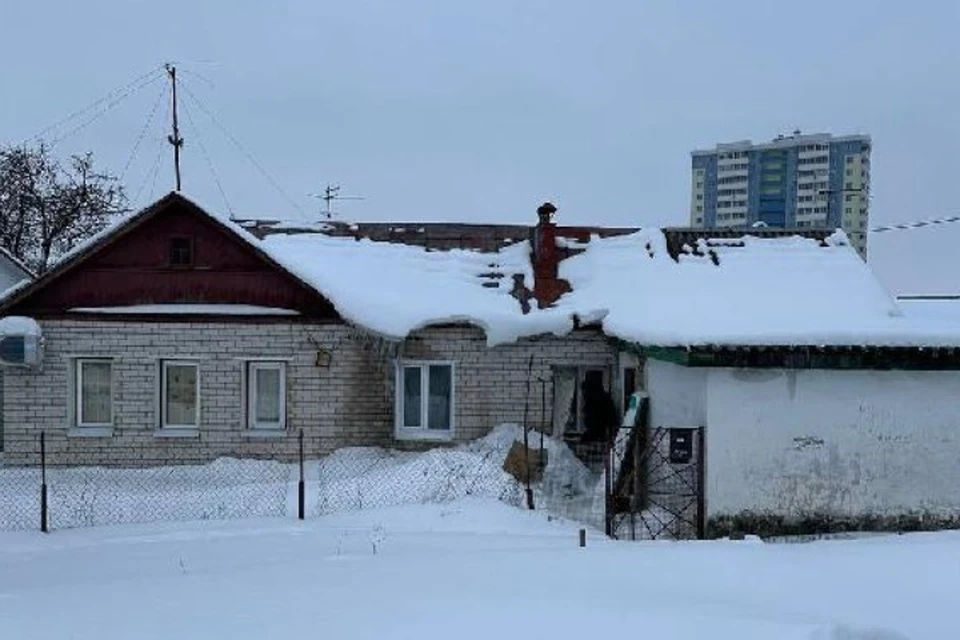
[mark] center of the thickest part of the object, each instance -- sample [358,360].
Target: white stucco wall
[833,442]
[843,443]
[678,395]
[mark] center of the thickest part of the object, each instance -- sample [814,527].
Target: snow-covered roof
[117,226]
[934,310]
[776,291]
[16,262]
[744,291]
[393,289]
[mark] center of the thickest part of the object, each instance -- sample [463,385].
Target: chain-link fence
[571,480]
[47,496]
[20,498]
[354,479]
[50,497]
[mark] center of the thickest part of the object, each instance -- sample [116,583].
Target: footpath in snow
[470,569]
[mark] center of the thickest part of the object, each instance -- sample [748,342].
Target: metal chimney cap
[546,211]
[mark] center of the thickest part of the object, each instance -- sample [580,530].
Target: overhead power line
[154,169]
[143,132]
[206,156]
[99,114]
[150,176]
[915,225]
[226,132]
[111,98]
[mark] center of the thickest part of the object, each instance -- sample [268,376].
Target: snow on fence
[96,496]
[347,480]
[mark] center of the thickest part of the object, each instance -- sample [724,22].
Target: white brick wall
[491,383]
[349,402]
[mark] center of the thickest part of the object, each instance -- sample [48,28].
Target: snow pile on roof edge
[395,289]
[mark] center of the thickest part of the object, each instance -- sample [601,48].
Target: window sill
[264,434]
[423,435]
[90,432]
[176,432]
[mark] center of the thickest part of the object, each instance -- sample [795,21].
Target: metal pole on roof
[331,193]
[175,139]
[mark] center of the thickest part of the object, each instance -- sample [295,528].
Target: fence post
[701,485]
[43,483]
[301,488]
[526,438]
[608,488]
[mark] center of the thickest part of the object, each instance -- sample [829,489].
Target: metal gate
[656,487]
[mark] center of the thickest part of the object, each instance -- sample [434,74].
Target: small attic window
[181,252]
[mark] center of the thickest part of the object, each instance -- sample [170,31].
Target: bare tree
[48,207]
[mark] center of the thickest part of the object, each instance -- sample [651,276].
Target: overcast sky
[439,110]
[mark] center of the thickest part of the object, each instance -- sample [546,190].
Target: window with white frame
[94,392]
[179,394]
[425,399]
[266,395]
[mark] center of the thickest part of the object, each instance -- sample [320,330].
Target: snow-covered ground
[349,479]
[473,568]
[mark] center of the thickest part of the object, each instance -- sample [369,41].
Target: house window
[568,383]
[179,394]
[94,393]
[425,399]
[266,395]
[181,252]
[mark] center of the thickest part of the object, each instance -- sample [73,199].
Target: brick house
[12,272]
[179,337]
[175,338]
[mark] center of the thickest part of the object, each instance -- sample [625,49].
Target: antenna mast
[331,193]
[175,139]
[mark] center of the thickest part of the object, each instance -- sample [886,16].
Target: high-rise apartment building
[796,181]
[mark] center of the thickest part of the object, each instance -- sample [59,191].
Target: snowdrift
[347,480]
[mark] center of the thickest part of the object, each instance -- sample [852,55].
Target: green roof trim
[805,357]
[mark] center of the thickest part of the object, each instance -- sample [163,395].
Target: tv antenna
[331,193]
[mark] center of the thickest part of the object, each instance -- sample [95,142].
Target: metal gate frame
[666,498]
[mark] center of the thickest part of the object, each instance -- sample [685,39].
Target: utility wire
[153,169]
[243,150]
[156,172]
[915,225]
[80,112]
[203,150]
[143,131]
[96,116]
[199,76]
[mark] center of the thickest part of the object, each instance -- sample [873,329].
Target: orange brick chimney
[547,286]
